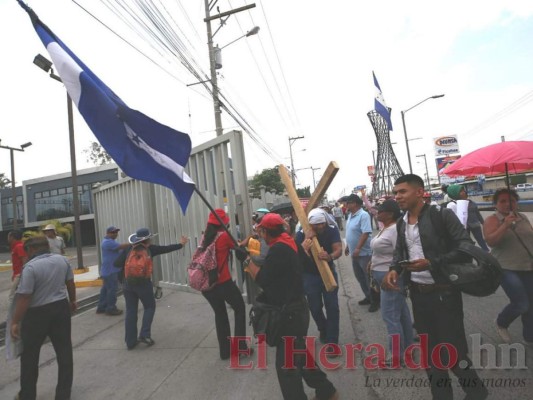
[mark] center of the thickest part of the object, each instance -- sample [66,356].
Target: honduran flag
[379,104]
[142,147]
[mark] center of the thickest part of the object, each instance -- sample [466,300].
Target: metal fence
[219,170]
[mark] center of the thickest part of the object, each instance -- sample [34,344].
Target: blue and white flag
[380,105]
[142,147]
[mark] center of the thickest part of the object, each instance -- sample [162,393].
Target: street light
[213,56]
[13,186]
[427,173]
[291,141]
[46,65]
[405,131]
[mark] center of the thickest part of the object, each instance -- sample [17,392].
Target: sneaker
[503,333]
[146,340]
[114,312]
[373,307]
[364,302]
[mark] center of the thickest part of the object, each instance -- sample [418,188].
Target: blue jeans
[318,297]
[132,294]
[395,313]
[108,293]
[518,286]
[359,265]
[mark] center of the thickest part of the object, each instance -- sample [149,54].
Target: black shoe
[133,345]
[373,307]
[146,340]
[364,302]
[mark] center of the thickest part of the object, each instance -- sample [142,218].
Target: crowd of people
[401,257]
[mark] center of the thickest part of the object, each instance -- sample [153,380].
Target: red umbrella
[495,159]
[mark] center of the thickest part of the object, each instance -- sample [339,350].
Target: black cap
[390,205]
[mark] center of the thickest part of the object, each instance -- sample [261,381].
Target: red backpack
[138,264]
[203,269]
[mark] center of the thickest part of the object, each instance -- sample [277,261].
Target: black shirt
[281,276]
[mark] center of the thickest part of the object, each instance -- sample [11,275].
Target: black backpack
[480,277]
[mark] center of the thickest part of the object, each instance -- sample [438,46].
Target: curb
[78,271]
[93,283]
[5,267]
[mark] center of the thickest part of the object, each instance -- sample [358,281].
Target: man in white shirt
[421,251]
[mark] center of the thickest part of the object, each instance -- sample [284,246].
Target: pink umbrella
[499,158]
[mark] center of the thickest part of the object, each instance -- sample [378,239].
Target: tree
[304,192]
[97,155]
[4,182]
[269,178]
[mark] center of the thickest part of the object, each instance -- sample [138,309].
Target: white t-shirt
[415,251]
[383,248]
[57,245]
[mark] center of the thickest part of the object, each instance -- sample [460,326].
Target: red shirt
[17,255]
[222,248]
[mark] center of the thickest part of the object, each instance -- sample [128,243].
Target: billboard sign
[445,145]
[443,162]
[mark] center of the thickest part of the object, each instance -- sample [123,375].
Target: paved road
[183,364]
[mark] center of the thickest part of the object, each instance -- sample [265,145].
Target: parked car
[524,186]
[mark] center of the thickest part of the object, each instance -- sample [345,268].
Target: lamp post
[13,186]
[405,131]
[291,141]
[427,173]
[46,66]
[212,56]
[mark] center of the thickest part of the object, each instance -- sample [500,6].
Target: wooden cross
[301,213]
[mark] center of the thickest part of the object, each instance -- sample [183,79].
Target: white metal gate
[219,170]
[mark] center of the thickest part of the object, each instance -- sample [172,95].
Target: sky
[307,73]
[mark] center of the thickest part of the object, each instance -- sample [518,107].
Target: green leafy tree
[63,230]
[269,178]
[97,155]
[304,192]
[4,182]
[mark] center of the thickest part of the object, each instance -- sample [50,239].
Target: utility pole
[13,186]
[314,182]
[427,173]
[212,60]
[291,141]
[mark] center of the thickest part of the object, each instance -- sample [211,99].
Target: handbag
[266,319]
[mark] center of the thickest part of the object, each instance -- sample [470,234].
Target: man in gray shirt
[45,298]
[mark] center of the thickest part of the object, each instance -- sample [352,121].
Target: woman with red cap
[225,291]
[281,280]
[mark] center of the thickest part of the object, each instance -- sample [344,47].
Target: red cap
[222,214]
[270,221]
[427,194]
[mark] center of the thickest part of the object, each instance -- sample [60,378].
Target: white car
[524,186]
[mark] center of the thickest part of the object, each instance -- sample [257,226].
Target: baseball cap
[271,221]
[390,206]
[112,229]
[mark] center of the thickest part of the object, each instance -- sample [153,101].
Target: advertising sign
[443,162]
[445,145]
[371,170]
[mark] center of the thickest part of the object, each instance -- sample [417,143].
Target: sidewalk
[184,362]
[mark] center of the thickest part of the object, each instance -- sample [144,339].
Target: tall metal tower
[387,168]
